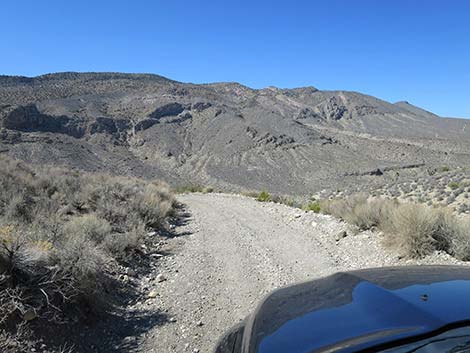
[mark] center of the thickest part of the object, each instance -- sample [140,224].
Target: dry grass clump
[415,229]
[460,244]
[359,210]
[63,232]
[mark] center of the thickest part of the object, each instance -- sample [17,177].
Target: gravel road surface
[232,251]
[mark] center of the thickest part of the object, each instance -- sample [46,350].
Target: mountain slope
[224,134]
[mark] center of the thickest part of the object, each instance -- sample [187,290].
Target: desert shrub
[85,265]
[207,190]
[88,227]
[358,210]
[411,229]
[282,199]
[443,169]
[249,193]
[372,213]
[188,188]
[419,230]
[20,208]
[62,233]
[10,248]
[119,244]
[264,196]
[415,229]
[461,241]
[151,206]
[453,185]
[312,206]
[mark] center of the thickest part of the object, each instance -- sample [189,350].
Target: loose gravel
[233,251]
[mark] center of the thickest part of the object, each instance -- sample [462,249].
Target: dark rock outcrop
[169,109]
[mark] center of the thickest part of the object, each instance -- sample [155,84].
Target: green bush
[453,185]
[312,206]
[264,196]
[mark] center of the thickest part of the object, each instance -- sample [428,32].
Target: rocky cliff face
[224,134]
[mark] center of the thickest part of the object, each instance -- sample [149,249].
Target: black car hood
[353,311]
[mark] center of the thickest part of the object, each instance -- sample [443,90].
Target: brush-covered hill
[293,141]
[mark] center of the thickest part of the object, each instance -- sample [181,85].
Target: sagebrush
[62,233]
[416,230]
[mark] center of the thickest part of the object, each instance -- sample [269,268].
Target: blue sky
[415,50]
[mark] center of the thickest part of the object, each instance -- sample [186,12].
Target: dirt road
[233,251]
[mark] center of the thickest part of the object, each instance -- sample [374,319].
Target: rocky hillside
[293,141]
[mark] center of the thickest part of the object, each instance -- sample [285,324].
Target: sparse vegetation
[207,190]
[253,194]
[453,185]
[264,196]
[358,210]
[312,206]
[415,229]
[62,235]
[443,169]
[184,189]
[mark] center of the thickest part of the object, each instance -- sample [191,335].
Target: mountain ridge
[130,75]
[228,135]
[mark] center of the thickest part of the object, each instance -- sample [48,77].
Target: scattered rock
[376,172]
[160,278]
[341,235]
[152,294]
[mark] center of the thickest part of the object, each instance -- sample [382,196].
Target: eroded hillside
[291,141]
